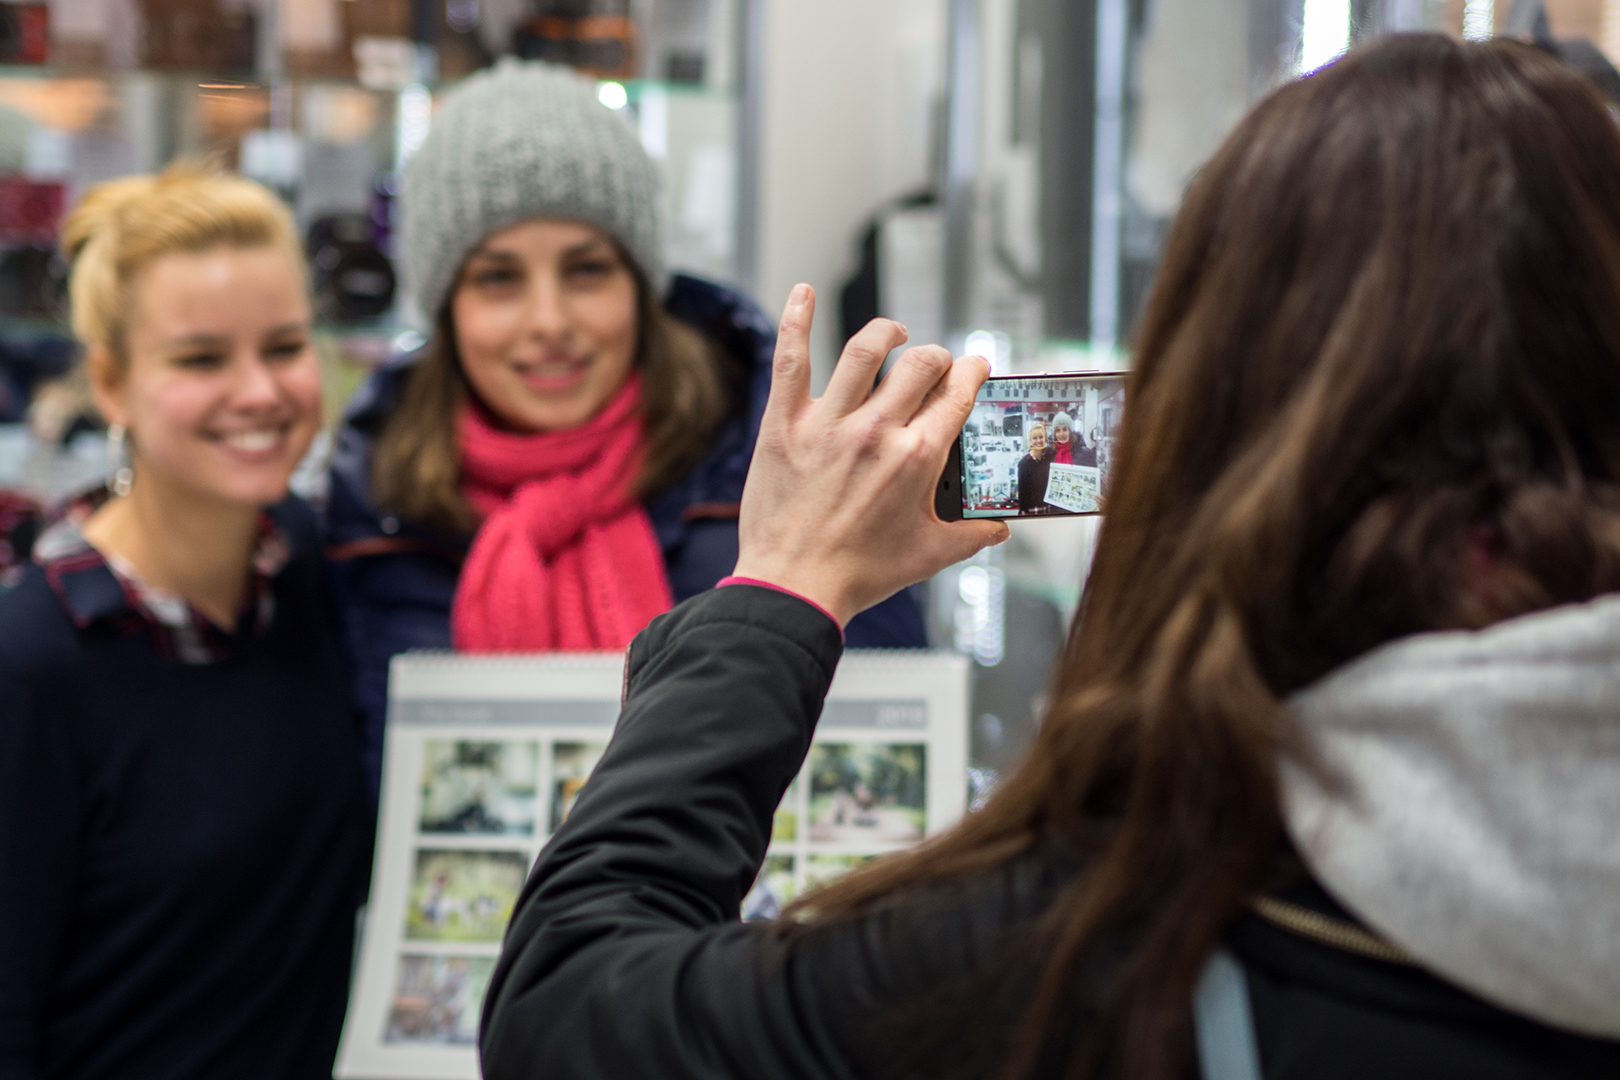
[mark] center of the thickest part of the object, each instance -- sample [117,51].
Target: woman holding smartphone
[564,458]
[184,836]
[1327,785]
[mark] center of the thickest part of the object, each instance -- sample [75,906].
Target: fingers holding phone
[839,501]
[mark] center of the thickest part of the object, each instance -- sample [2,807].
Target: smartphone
[1034,446]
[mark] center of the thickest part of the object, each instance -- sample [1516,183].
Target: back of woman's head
[1387,325]
[121,226]
[1383,347]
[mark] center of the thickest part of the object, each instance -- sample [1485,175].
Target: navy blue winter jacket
[395,580]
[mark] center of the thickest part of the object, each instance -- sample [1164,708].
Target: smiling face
[1037,439]
[1061,434]
[546,325]
[221,393]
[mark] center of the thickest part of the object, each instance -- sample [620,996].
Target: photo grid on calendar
[863,792]
[485,808]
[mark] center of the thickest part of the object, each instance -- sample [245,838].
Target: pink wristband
[723,582]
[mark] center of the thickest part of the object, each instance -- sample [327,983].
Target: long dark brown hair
[1385,331]
[686,389]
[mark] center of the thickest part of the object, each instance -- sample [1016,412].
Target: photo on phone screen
[1035,446]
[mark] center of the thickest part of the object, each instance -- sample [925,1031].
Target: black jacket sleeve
[625,956]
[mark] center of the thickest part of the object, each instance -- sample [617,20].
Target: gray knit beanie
[521,141]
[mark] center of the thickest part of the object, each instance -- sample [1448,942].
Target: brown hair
[121,225]
[1386,326]
[416,467]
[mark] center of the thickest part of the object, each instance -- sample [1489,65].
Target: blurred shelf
[383,328]
[19,325]
[49,473]
[248,79]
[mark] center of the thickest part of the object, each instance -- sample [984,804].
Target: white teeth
[252,442]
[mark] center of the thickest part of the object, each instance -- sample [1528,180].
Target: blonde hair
[122,225]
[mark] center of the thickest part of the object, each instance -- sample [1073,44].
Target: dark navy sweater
[182,846]
[395,580]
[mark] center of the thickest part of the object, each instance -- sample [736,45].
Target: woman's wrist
[813,589]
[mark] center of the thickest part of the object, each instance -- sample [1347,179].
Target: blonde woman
[183,832]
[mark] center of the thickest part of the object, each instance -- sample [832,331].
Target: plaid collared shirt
[95,589]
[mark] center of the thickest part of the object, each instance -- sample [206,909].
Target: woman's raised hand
[839,505]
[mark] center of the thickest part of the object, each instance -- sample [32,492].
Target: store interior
[998,175]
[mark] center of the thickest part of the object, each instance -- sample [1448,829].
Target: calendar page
[484,758]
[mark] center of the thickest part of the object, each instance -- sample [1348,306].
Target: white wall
[1193,86]
[848,90]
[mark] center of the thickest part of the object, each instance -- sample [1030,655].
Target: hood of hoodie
[1468,807]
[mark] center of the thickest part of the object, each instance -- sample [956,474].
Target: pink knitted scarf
[566,560]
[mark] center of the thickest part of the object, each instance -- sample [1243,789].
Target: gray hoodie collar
[1477,824]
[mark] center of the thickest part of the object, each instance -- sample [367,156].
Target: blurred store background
[997,174]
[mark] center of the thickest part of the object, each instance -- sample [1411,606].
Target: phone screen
[1039,446]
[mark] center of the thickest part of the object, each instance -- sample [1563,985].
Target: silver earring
[122,476]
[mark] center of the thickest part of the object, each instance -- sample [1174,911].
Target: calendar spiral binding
[430,658]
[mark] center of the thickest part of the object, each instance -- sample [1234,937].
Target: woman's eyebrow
[198,341]
[587,247]
[584,247]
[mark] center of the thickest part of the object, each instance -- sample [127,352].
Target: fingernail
[799,295]
[903,329]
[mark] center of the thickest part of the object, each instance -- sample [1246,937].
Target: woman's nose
[546,310]
[256,384]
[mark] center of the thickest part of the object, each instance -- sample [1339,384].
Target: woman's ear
[108,382]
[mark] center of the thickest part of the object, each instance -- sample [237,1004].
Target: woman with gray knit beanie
[563,459]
